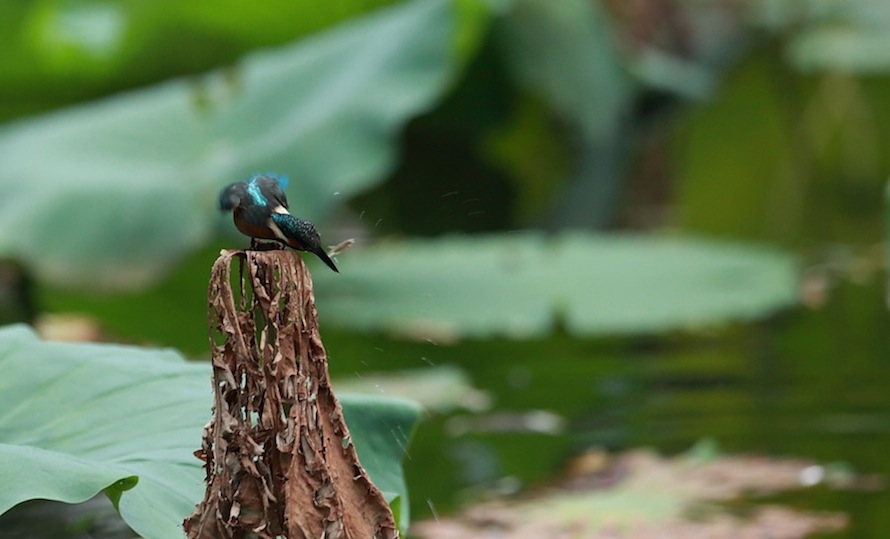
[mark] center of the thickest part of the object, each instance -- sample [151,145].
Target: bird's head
[230,197]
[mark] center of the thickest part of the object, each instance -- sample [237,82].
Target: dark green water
[807,383]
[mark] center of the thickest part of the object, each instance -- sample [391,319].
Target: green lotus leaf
[524,284]
[113,192]
[77,419]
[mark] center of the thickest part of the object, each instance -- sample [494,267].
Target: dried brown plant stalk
[278,455]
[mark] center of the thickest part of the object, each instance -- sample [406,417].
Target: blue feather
[253,189]
[282,179]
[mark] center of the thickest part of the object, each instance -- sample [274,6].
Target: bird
[261,211]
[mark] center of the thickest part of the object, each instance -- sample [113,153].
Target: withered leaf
[271,387]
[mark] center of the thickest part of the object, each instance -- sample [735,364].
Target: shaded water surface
[808,383]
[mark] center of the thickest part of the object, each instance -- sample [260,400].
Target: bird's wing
[293,231]
[299,234]
[274,187]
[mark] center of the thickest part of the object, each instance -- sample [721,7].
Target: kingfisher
[261,212]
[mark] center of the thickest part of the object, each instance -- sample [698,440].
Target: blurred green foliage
[764,121]
[58,52]
[801,157]
[135,177]
[429,118]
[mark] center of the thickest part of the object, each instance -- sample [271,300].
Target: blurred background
[580,225]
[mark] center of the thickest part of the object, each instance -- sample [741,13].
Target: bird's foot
[256,245]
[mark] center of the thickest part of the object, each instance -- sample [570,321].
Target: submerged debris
[641,495]
[277,452]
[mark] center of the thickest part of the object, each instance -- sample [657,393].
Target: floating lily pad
[642,495]
[521,285]
[439,388]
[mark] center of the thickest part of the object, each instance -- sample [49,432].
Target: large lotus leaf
[79,418]
[113,192]
[847,37]
[521,285]
[91,45]
[564,51]
[862,50]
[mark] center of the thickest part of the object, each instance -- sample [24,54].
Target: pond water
[807,383]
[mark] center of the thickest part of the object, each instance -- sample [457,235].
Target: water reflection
[810,383]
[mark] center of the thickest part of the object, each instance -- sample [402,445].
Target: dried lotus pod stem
[278,456]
